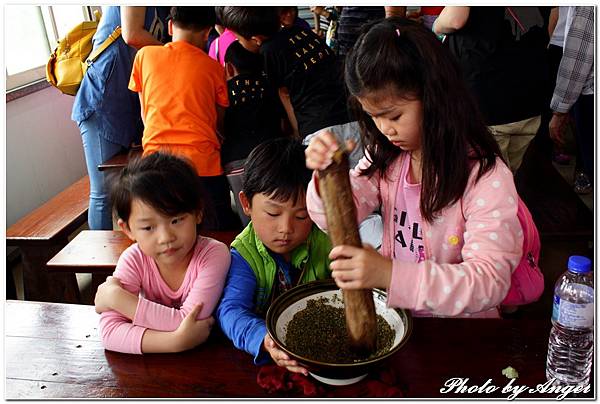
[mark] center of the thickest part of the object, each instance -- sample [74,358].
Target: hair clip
[398,32]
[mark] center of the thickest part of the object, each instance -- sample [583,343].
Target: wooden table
[53,351]
[97,251]
[91,251]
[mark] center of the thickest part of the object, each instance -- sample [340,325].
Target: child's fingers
[338,277]
[286,362]
[282,359]
[195,311]
[317,161]
[318,155]
[278,354]
[343,264]
[347,284]
[343,251]
[345,275]
[297,369]
[328,139]
[268,341]
[112,279]
[339,282]
[350,145]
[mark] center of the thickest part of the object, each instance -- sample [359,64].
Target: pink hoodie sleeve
[117,331]
[210,265]
[118,334]
[491,250]
[365,192]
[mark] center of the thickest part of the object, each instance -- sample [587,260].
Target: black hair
[277,168]
[219,15]
[243,60]
[398,57]
[283,9]
[251,21]
[164,181]
[193,18]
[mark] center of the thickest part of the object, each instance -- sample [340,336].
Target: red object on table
[379,383]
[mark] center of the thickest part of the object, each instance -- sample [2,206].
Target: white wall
[44,154]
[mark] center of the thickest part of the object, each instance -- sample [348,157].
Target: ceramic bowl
[282,311]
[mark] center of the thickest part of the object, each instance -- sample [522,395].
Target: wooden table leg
[41,285]
[11,287]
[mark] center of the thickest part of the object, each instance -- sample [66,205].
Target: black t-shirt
[299,60]
[253,116]
[351,21]
[505,68]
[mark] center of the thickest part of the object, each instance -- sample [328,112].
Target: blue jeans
[97,150]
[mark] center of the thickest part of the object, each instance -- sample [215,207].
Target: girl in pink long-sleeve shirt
[166,285]
[451,233]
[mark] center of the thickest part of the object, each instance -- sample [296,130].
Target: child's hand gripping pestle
[336,193]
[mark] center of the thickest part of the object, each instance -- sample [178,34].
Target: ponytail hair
[396,57]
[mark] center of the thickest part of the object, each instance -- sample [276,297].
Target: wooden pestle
[336,193]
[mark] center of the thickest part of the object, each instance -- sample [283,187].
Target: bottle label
[574,315]
[555,308]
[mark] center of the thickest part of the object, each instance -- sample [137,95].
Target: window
[32,33]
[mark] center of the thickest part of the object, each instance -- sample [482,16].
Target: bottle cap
[579,264]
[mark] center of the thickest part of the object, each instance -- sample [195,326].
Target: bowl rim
[325,285]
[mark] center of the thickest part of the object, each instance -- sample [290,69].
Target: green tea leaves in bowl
[318,332]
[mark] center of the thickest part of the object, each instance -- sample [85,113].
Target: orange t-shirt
[180,88]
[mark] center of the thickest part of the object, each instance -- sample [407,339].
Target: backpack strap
[107,42]
[514,16]
[97,15]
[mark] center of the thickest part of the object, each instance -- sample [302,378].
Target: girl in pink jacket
[449,204]
[167,284]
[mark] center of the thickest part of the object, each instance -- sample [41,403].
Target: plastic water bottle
[571,343]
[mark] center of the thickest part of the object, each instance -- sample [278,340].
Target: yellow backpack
[69,61]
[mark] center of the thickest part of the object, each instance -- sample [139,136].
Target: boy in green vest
[279,249]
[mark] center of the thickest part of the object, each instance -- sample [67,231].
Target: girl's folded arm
[206,289]
[118,334]
[128,272]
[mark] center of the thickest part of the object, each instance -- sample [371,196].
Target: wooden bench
[120,160]
[41,234]
[97,252]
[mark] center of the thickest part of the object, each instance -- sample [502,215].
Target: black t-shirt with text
[253,116]
[296,58]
